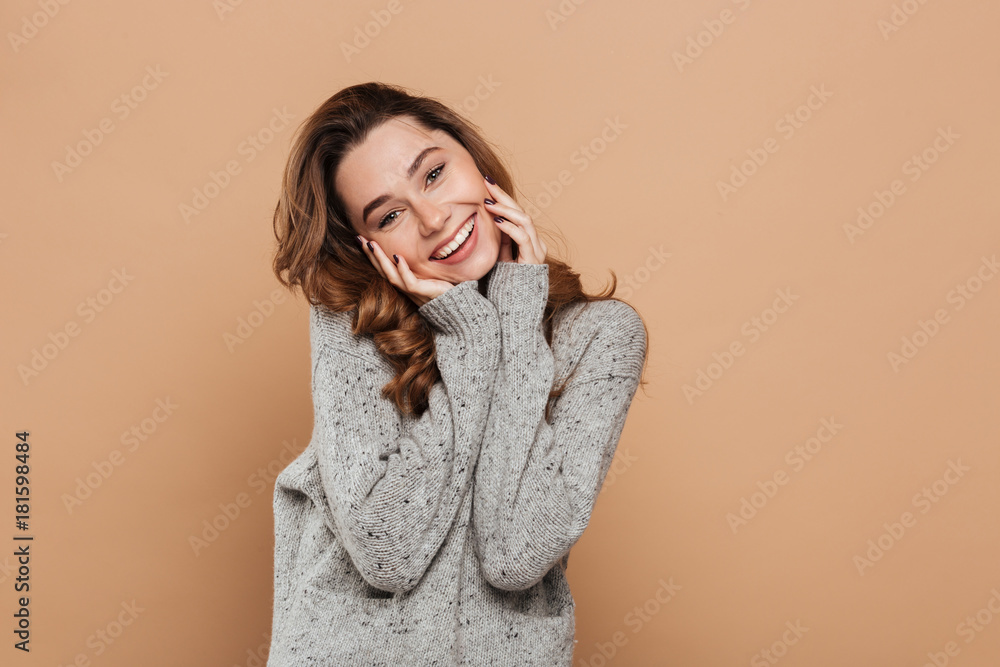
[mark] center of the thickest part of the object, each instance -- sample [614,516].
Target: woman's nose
[432,216]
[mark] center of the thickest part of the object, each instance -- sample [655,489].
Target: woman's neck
[484,282]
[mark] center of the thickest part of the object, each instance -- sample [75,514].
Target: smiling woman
[412,191]
[468,399]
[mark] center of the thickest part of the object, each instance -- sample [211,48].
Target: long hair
[317,250]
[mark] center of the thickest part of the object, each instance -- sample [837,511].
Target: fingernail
[370,246]
[360,240]
[396,258]
[489,201]
[499,219]
[490,181]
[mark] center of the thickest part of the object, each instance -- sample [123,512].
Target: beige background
[178,324]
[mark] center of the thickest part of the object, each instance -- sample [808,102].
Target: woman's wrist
[460,309]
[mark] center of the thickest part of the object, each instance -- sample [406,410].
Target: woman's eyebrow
[381,199]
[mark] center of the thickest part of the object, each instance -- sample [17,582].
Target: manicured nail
[499,219]
[370,246]
[490,181]
[396,258]
[360,240]
[489,201]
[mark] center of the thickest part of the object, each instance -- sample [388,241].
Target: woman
[468,399]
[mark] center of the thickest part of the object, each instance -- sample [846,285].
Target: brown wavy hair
[317,250]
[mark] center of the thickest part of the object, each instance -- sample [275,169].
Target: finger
[514,213]
[520,236]
[509,209]
[525,224]
[519,217]
[402,275]
[387,266]
[528,244]
[419,290]
[506,251]
[370,254]
[497,193]
[409,281]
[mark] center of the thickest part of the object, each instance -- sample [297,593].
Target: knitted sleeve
[537,481]
[394,484]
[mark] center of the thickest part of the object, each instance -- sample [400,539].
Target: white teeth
[459,238]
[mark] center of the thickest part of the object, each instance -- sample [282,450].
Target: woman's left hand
[517,225]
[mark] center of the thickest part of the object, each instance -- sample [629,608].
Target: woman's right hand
[420,290]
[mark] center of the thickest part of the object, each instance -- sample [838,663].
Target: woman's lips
[467,244]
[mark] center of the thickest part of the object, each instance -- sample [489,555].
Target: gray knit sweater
[442,540]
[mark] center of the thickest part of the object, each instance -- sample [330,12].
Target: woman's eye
[436,171]
[385,221]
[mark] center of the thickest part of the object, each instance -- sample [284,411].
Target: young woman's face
[415,215]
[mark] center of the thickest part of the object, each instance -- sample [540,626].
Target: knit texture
[442,540]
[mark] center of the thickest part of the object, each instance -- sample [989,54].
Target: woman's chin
[473,267]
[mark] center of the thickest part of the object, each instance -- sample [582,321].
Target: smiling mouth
[449,248]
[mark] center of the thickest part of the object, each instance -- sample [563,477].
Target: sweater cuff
[459,310]
[520,291]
